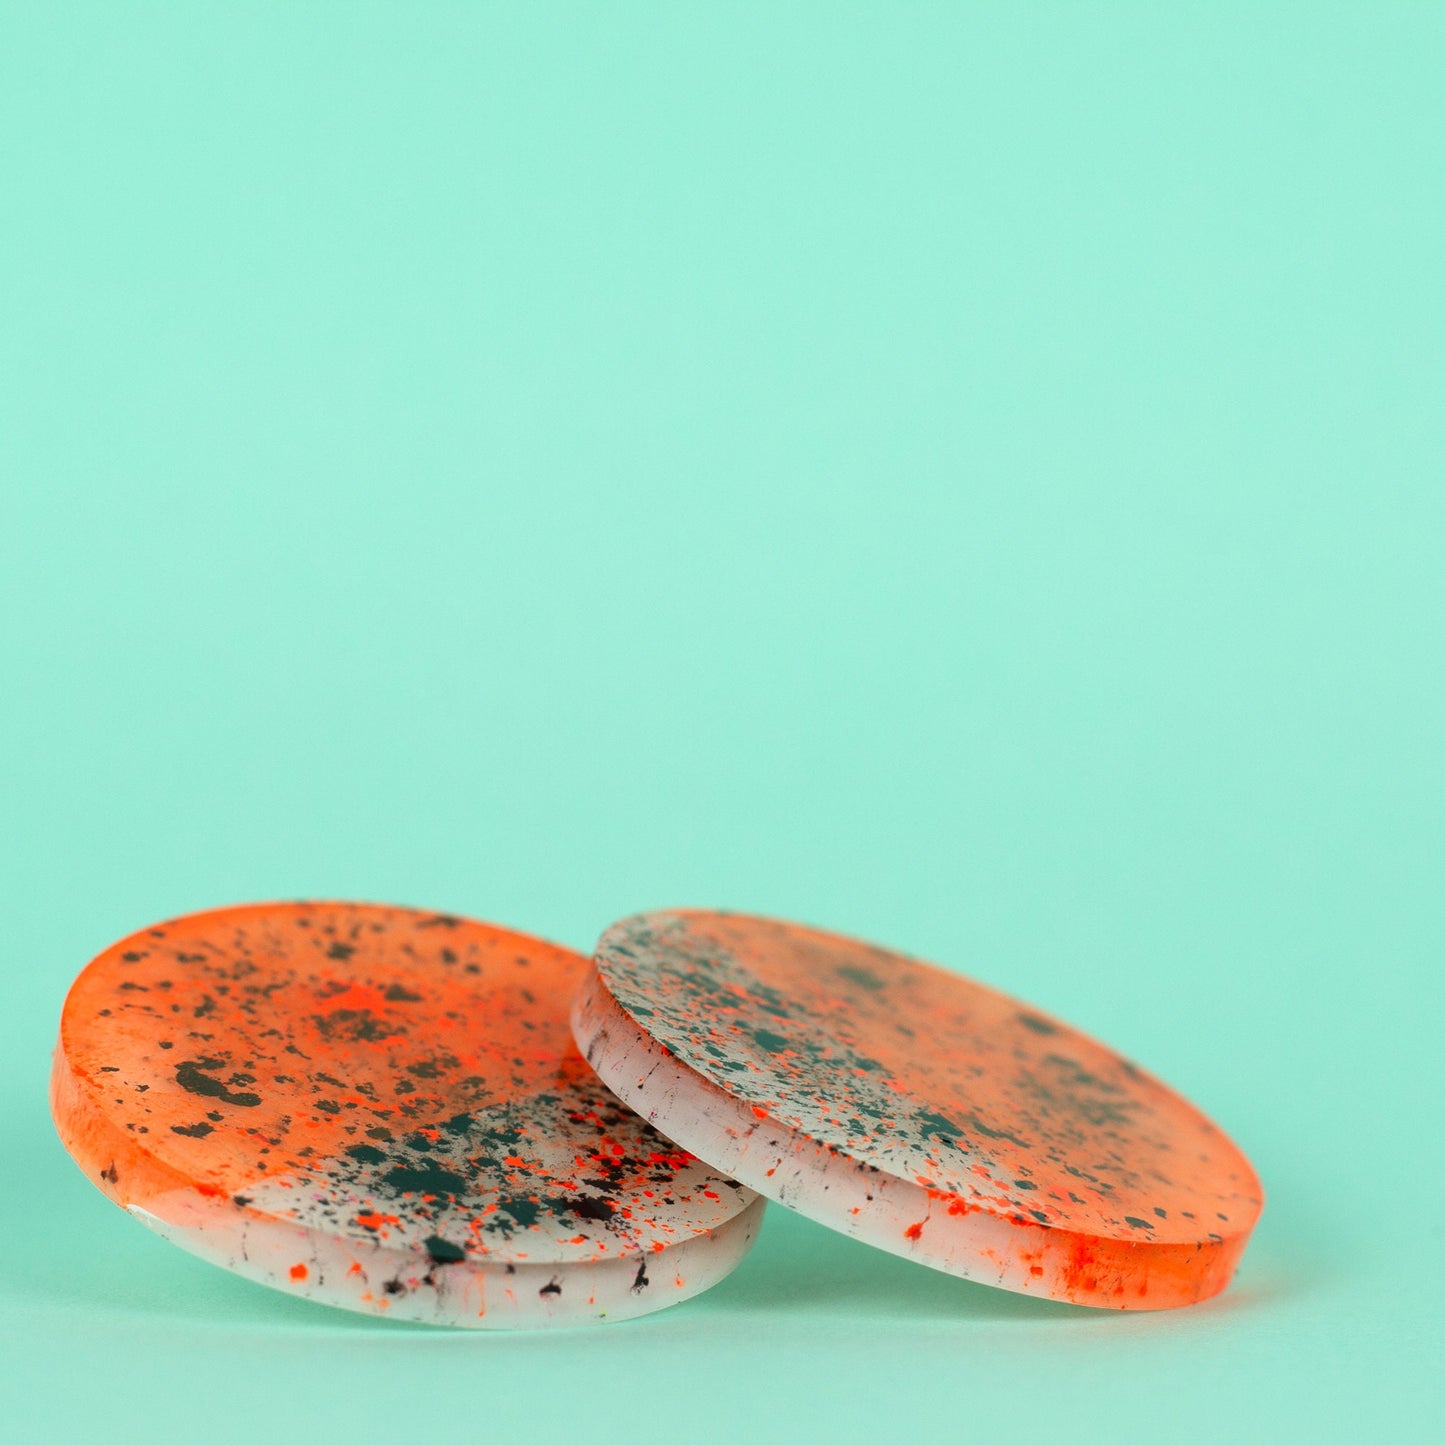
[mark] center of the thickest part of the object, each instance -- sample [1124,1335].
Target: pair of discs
[437,1119]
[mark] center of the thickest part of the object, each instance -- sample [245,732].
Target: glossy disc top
[381,1109]
[916,1109]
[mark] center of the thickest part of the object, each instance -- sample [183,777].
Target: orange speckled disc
[381,1109]
[916,1110]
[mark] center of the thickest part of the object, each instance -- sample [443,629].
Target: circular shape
[381,1109]
[916,1110]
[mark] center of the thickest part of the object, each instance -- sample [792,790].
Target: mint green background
[967,476]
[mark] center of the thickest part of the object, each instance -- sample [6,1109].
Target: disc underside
[916,1110]
[381,1109]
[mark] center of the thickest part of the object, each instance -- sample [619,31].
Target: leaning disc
[916,1110]
[381,1109]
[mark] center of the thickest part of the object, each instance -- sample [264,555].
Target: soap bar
[916,1110]
[381,1109]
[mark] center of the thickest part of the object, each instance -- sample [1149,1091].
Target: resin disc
[381,1109]
[916,1110]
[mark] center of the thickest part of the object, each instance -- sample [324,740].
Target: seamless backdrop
[969,476]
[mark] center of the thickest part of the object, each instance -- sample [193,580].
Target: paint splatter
[916,1109]
[382,1108]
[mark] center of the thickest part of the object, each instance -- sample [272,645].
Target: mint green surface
[970,477]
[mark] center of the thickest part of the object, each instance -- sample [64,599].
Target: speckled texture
[381,1109]
[916,1110]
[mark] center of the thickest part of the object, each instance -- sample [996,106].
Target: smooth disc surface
[381,1109]
[916,1110]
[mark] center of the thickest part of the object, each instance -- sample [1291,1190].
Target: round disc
[381,1109]
[916,1110]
